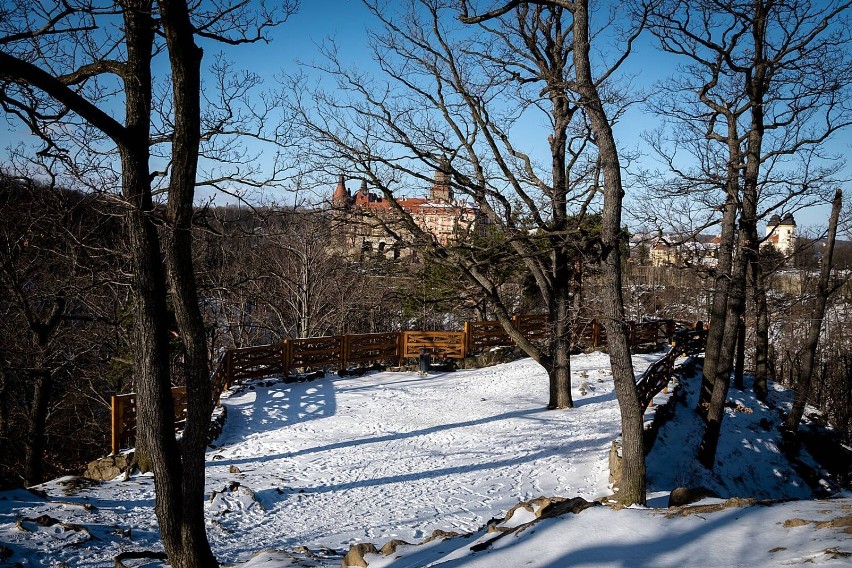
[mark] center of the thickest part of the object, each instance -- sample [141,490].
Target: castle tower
[441,190]
[782,233]
[340,197]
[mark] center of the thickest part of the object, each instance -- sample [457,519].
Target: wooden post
[467,338]
[344,352]
[286,356]
[670,330]
[401,348]
[116,424]
[596,333]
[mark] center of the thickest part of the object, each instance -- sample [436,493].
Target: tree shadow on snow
[276,406]
[349,444]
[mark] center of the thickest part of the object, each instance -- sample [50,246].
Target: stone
[391,546]
[687,495]
[355,556]
[110,467]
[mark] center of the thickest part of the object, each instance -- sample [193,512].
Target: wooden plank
[371,347]
[316,351]
[447,344]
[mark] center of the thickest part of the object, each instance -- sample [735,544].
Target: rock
[109,467]
[686,495]
[355,556]
[391,546]
[234,469]
[440,534]
[576,505]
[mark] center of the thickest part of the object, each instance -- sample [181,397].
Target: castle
[372,225]
[781,234]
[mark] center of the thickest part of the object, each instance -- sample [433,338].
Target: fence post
[116,422]
[344,352]
[402,341]
[467,338]
[596,332]
[670,330]
[286,356]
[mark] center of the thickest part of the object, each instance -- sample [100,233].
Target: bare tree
[452,100]
[809,349]
[59,66]
[755,104]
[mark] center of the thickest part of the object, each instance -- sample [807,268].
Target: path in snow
[393,455]
[342,460]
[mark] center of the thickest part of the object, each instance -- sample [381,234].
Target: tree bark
[739,364]
[721,292]
[632,490]
[188,536]
[42,380]
[559,368]
[805,374]
[761,332]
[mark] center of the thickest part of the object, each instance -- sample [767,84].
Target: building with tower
[781,234]
[370,224]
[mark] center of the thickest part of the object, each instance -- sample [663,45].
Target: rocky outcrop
[523,515]
[110,467]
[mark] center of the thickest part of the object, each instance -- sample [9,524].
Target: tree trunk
[805,374]
[155,408]
[4,406]
[721,379]
[761,332]
[35,440]
[719,305]
[739,366]
[612,237]
[559,361]
[185,58]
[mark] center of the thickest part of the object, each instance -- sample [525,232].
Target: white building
[781,234]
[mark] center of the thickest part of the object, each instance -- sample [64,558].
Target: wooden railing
[657,376]
[342,351]
[124,417]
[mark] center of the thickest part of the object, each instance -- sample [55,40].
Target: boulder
[110,467]
[687,495]
[355,556]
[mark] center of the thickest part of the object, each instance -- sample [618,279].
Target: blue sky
[346,22]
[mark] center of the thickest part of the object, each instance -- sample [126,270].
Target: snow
[304,470]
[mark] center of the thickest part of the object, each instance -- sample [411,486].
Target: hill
[312,468]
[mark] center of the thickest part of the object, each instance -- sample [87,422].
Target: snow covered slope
[338,461]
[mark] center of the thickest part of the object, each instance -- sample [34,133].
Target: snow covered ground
[340,461]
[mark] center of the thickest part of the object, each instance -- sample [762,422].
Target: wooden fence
[657,376]
[124,417]
[342,351]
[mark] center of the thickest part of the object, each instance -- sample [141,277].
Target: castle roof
[776,220]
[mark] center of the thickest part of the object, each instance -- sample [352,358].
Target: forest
[119,275]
